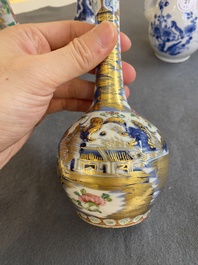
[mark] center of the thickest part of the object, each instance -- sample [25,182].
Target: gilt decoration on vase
[112,162]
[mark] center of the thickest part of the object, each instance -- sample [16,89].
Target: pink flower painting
[91,202]
[88,197]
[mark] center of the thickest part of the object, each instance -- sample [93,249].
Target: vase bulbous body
[84,11]
[7,17]
[173,31]
[112,162]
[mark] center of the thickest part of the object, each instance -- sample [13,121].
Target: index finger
[60,33]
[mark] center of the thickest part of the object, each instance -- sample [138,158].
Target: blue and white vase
[173,28]
[112,162]
[84,11]
[7,17]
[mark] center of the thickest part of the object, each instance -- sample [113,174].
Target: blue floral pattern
[169,37]
[85,11]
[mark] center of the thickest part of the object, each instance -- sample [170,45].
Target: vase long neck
[109,91]
[7,17]
[84,11]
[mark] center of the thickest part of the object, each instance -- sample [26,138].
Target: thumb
[79,56]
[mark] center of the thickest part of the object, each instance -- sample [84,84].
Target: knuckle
[82,52]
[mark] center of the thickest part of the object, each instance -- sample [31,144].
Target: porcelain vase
[84,11]
[112,162]
[173,31]
[7,17]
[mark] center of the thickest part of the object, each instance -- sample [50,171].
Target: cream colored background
[20,6]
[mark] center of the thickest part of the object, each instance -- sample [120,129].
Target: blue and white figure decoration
[173,28]
[85,11]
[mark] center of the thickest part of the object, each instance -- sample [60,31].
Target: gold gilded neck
[110,92]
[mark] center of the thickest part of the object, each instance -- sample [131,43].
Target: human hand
[39,64]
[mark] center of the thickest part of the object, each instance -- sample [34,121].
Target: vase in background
[7,17]
[112,162]
[173,32]
[84,11]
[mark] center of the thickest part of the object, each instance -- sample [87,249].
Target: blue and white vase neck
[84,11]
[173,28]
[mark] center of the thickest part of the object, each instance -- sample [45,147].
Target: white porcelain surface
[173,28]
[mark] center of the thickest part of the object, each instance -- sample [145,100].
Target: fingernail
[105,33]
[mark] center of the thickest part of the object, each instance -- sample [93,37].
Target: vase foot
[112,223]
[172,60]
